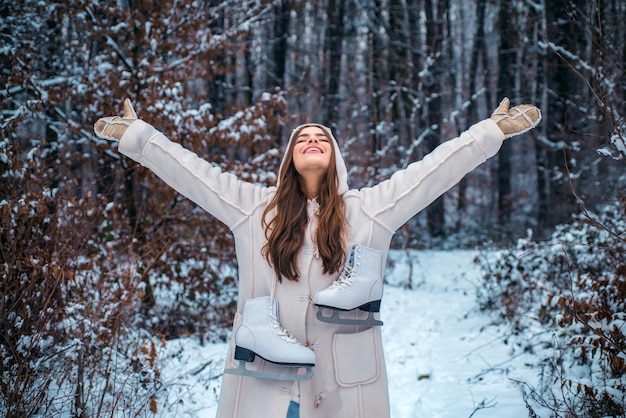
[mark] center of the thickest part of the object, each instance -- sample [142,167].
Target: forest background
[100,261]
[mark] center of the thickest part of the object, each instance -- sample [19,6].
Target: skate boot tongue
[345,279]
[281,332]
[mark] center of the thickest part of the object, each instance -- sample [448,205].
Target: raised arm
[394,201]
[221,194]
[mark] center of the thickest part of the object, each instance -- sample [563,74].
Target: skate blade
[289,373]
[370,321]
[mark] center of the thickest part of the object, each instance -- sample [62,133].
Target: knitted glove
[113,127]
[517,120]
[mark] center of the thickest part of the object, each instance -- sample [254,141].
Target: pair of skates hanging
[358,288]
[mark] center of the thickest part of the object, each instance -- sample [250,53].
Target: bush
[574,285]
[87,298]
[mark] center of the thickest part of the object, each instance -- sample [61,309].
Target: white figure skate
[360,285]
[260,334]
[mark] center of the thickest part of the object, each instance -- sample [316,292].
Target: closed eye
[305,137]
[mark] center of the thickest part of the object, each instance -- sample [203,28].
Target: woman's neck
[311,186]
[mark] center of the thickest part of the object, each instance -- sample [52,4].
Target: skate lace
[282,333]
[345,279]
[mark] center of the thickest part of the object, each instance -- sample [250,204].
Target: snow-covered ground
[443,355]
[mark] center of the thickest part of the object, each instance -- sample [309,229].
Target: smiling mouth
[313,150]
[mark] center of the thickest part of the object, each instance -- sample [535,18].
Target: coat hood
[342,172]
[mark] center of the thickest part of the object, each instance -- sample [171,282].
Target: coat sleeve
[393,202]
[221,194]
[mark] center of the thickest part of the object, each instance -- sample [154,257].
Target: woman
[293,242]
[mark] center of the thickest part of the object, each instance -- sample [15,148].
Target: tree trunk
[334,42]
[377,74]
[565,89]
[281,32]
[506,81]
[434,33]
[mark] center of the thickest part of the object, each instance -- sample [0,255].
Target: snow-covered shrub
[68,306]
[573,286]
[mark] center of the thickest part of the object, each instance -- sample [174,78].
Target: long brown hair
[285,231]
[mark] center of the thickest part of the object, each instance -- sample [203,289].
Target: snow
[444,357]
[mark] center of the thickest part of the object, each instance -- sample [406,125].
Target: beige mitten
[517,120]
[113,127]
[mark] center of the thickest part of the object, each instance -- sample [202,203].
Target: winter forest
[103,266]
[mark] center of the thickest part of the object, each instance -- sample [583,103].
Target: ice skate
[360,286]
[260,334]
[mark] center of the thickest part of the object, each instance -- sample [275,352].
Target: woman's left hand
[517,120]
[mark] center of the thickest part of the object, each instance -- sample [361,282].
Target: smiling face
[312,151]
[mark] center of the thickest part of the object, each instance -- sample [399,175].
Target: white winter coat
[350,379]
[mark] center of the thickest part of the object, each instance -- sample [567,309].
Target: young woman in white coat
[292,242]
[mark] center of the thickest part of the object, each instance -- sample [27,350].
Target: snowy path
[442,358]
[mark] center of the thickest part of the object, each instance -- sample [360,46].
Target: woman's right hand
[113,127]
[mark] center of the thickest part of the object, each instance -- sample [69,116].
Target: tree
[334,49]
[435,12]
[507,61]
